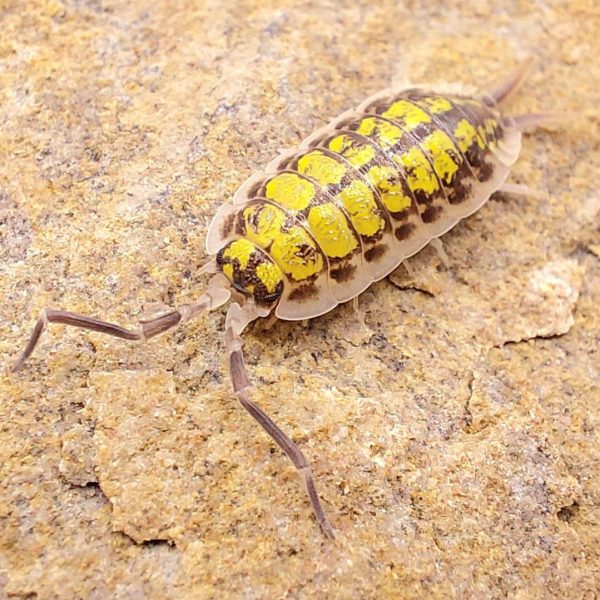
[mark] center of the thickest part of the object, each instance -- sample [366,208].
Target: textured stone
[452,421]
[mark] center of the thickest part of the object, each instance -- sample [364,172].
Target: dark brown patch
[240,225]
[405,231]
[498,131]
[342,273]
[487,170]
[220,259]
[375,253]
[254,190]
[431,214]
[306,252]
[460,187]
[253,216]
[402,215]
[458,193]
[262,296]
[349,123]
[227,225]
[289,163]
[303,291]
[477,159]
[380,105]
[423,198]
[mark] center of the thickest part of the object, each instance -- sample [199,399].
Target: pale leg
[237,319]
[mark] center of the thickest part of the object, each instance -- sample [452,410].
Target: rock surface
[453,424]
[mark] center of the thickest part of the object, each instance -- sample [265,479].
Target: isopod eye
[251,271]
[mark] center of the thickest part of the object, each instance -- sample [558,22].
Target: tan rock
[452,424]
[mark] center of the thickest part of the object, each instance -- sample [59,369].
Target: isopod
[324,221]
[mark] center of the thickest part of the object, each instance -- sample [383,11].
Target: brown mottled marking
[227,225]
[254,189]
[240,226]
[404,231]
[376,252]
[485,170]
[343,272]
[431,214]
[303,292]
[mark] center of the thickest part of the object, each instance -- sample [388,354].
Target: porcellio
[324,221]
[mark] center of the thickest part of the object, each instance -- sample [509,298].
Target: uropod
[324,221]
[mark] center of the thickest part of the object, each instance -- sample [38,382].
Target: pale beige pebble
[544,305]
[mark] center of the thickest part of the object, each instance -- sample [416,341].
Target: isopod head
[251,271]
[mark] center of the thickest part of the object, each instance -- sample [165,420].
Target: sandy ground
[453,425]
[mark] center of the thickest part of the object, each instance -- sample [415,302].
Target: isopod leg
[215,295]
[237,319]
[438,246]
[520,189]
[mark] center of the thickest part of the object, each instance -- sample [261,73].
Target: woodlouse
[343,210]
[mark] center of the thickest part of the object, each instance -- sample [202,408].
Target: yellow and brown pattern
[411,159]
[325,216]
[313,207]
[251,271]
[383,174]
[276,231]
[440,142]
[348,186]
[472,124]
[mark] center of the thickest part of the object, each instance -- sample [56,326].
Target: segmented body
[343,210]
[359,196]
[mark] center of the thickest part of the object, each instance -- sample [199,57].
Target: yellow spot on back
[270,275]
[294,251]
[436,104]
[466,134]
[420,173]
[356,154]
[444,154]
[385,179]
[385,133]
[228,270]
[407,114]
[322,168]
[265,222]
[331,230]
[240,250]
[360,204]
[290,190]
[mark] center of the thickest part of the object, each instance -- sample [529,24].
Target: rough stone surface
[453,424]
